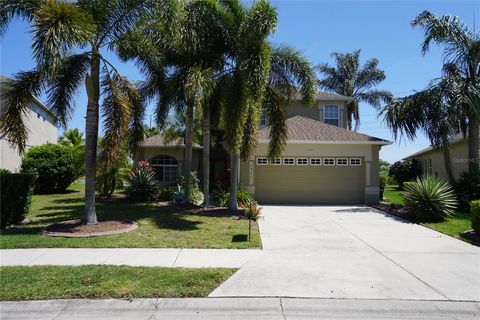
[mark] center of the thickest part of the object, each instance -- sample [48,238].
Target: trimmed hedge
[54,165]
[475,212]
[15,196]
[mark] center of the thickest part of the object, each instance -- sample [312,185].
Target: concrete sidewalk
[237,308]
[188,258]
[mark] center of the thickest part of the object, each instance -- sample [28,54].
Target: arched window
[166,167]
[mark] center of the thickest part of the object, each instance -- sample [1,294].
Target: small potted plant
[252,213]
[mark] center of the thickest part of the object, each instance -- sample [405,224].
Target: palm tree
[260,76]
[72,138]
[180,67]
[69,41]
[350,79]
[462,63]
[432,111]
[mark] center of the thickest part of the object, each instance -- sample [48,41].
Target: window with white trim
[289,161]
[342,162]
[331,115]
[302,161]
[328,161]
[276,161]
[355,162]
[166,167]
[262,161]
[315,161]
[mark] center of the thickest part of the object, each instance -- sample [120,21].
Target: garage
[309,180]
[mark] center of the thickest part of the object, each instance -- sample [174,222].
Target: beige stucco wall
[40,131]
[368,180]
[145,153]
[316,111]
[459,155]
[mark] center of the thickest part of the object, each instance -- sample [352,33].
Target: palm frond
[58,27]
[18,94]
[274,109]
[64,85]
[17,8]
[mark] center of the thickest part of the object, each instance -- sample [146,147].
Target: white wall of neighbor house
[369,155]
[41,129]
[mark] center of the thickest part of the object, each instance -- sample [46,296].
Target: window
[342,162]
[263,118]
[166,168]
[330,115]
[302,161]
[276,162]
[315,161]
[289,161]
[328,161]
[355,162]
[262,161]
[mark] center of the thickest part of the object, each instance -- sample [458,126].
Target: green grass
[159,227]
[393,194]
[92,281]
[453,226]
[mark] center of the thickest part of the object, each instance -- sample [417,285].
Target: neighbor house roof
[4,85]
[158,141]
[306,130]
[454,140]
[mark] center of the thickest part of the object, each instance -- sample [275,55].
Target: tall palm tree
[69,42]
[350,79]
[72,138]
[433,112]
[261,76]
[180,67]
[462,63]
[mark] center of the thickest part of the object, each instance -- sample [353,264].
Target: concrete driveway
[354,252]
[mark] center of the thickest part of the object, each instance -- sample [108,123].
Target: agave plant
[142,184]
[430,198]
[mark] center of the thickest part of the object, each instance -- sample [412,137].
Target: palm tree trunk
[447,159]
[473,144]
[234,163]
[188,149]
[92,83]
[206,156]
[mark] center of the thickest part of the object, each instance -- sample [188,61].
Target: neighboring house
[323,162]
[432,163]
[40,123]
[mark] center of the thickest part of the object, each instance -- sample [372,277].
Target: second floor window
[330,115]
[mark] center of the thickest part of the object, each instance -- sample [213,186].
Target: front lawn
[159,226]
[62,282]
[453,226]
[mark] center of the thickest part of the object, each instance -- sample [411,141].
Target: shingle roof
[158,141]
[305,129]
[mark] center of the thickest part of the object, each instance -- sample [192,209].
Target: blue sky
[381,29]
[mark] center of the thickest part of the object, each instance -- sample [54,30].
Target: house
[323,162]
[41,126]
[431,159]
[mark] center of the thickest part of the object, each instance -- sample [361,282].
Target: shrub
[4,171]
[15,196]
[196,196]
[54,166]
[406,170]
[430,198]
[221,197]
[167,193]
[467,188]
[475,212]
[142,183]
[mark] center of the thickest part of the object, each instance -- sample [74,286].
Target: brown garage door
[309,184]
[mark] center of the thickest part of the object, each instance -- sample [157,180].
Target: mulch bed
[395,209]
[211,211]
[76,228]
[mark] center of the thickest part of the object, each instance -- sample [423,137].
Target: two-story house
[323,162]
